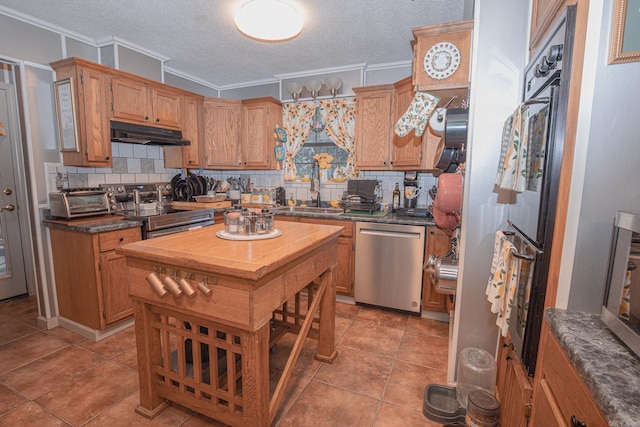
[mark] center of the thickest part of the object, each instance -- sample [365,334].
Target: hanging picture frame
[625,32]
[66,112]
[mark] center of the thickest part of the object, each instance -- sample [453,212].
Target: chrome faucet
[315,182]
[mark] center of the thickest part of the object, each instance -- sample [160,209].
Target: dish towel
[514,171]
[503,280]
[417,115]
[506,137]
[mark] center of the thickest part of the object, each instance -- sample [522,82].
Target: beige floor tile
[382,317]
[349,311]
[325,405]
[359,371]
[26,350]
[369,336]
[20,307]
[391,415]
[129,358]
[425,326]
[11,329]
[342,324]
[114,345]
[197,420]
[86,396]
[124,413]
[65,335]
[297,384]
[38,377]
[407,383]
[9,400]
[425,350]
[31,415]
[306,365]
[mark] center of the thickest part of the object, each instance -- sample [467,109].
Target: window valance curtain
[297,123]
[338,116]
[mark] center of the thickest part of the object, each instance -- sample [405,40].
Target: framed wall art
[66,112]
[625,32]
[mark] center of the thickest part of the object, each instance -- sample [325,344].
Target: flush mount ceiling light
[269,20]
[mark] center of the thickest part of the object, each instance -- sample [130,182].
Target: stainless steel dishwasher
[388,267]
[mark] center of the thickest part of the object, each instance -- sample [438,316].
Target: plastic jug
[476,371]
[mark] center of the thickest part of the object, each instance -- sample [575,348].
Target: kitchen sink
[309,210]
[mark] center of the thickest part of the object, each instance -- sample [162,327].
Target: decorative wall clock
[442,60]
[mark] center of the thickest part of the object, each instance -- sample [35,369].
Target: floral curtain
[297,123]
[338,116]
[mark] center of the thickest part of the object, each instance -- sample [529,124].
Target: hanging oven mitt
[417,115]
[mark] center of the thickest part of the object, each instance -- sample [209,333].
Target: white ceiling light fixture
[269,20]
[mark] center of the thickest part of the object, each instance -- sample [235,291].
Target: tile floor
[58,378]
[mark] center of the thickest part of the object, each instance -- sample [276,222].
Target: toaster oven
[77,203]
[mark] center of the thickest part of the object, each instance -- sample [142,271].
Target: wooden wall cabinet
[513,387]
[190,156]
[560,397]
[543,14]
[438,242]
[346,250]
[222,133]
[260,116]
[374,113]
[91,85]
[442,56]
[136,101]
[91,282]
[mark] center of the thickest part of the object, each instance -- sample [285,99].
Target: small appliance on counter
[79,202]
[411,189]
[361,195]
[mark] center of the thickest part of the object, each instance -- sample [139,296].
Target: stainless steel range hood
[147,135]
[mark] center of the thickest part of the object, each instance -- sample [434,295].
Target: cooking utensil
[437,121]
[449,194]
[456,124]
[446,156]
[445,220]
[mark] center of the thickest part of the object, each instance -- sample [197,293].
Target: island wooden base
[207,355]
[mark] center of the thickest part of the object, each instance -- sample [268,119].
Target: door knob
[9,207]
[8,191]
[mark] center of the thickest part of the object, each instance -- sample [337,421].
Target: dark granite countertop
[97,224]
[390,218]
[608,368]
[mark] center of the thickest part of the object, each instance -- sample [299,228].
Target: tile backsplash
[139,163]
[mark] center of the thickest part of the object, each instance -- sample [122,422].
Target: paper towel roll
[437,121]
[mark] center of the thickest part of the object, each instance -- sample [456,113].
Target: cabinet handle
[157,120]
[146,118]
[107,157]
[186,287]
[576,423]
[121,239]
[172,286]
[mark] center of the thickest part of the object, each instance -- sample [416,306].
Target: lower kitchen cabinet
[513,387]
[560,397]
[90,277]
[438,242]
[346,251]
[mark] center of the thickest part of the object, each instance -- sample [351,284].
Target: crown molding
[189,77]
[124,43]
[45,25]
[389,65]
[330,70]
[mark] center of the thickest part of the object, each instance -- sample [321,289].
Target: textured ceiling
[200,38]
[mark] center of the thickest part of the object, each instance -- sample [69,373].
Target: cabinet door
[345,266]
[115,288]
[406,151]
[438,243]
[191,131]
[130,100]
[374,108]
[166,107]
[514,388]
[222,125]
[257,138]
[542,16]
[95,131]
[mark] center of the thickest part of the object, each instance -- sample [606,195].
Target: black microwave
[621,306]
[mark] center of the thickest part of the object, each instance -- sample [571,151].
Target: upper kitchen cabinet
[543,14]
[260,116]
[374,112]
[222,133]
[442,57]
[87,97]
[190,156]
[409,151]
[134,100]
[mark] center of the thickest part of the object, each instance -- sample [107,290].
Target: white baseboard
[93,334]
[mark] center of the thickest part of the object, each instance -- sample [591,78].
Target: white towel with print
[503,281]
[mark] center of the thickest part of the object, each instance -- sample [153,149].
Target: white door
[12,272]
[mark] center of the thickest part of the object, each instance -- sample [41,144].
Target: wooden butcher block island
[207,311]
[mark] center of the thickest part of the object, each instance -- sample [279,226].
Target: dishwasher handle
[385,233]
